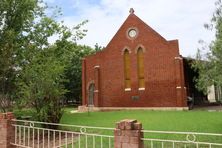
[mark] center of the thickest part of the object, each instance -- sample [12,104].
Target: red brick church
[138,69]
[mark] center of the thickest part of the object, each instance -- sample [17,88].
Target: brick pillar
[97,86]
[83,81]
[128,134]
[7,131]
[180,84]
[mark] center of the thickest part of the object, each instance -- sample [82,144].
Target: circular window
[132,33]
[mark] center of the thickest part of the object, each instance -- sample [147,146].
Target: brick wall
[7,133]
[163,74]
[128,134]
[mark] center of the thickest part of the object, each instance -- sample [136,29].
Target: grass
[185,121]
[23,112]
[196,121]
[31,112]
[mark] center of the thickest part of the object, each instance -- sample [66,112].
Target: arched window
[127,69]
[91,94]
[140,67]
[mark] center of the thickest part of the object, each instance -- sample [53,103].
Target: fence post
[128,134]
[7,131]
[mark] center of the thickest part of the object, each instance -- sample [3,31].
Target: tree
[209,63]
[98,48]
[30,66]
[42,77]
[73,72]
[16,18]
[41,85]
[73,53]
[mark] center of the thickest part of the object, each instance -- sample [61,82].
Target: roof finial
[131,11]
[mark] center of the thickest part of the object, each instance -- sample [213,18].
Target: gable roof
[134,21]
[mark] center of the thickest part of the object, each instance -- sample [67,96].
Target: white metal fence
[31,134]
[172,139]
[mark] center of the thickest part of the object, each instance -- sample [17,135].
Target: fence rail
[166,139]
[32,134]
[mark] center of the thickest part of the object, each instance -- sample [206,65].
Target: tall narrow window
[140,68]
[127,70]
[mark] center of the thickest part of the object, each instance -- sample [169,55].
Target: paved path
[209,108]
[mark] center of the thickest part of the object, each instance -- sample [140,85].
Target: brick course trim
[84,108]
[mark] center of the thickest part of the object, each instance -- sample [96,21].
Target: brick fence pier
[7,131]
[128,134]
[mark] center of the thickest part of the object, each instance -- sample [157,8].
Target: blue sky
[173,19]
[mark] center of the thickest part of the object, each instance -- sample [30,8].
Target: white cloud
[49,1]
[173,19]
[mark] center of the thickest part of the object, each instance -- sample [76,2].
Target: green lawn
[185,121]
[196,121]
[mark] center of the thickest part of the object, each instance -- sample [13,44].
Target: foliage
[43,75]
[73,72]
[41,85]
[16,18]
[32,69]
[26,112]
[209,63]
[98,48]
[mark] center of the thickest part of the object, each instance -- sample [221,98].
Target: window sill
[141,89]
[127,89]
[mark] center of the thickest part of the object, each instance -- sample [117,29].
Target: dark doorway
[91,94]
[190,74]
